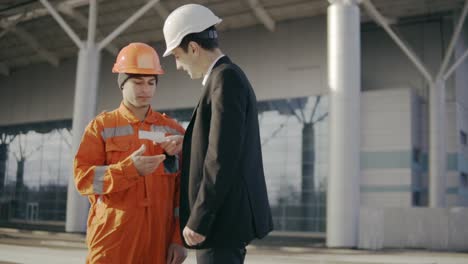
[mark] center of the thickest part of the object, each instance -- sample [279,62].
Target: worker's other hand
[146,165]
[176,254]
[191,237]
[172,145]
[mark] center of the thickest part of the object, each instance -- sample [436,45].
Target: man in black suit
[224,202]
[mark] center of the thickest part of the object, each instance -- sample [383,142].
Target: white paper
[157,137]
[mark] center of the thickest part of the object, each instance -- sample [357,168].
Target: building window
[294,137]
[463,138]
[463,180]
[35,164]
[416,155]
[417,198]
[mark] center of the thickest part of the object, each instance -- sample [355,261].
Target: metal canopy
[28,34]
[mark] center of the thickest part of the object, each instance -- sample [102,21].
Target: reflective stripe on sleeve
[98,183]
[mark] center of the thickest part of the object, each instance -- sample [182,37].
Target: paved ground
[42,247]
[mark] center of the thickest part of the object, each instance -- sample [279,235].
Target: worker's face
[138,91]
[188,61]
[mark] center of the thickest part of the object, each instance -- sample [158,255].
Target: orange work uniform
[132,219]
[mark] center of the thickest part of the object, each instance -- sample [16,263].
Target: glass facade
[36,162]
[294,135]
[294,143]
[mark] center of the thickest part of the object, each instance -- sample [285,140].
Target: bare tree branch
[38,147]
[275,132]
[20,146]
[320,118]
[301,110]
[65,139]
[317,101]
[293,112]
[10,138]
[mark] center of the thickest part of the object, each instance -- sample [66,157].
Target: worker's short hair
[207,39]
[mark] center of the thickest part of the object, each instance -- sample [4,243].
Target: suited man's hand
[176,254]
[191,237]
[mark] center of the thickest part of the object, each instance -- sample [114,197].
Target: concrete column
[344,80]
[437,144]
[84,110]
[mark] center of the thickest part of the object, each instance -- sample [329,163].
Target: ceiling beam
[40,12]
[453,41]
[4,70]
[63,24]
[3,33]
[163,12]
[262,14]
[7,25]
[459,61]
[137,15]
[10,26]
[380,20]
[83,21]
[33,43]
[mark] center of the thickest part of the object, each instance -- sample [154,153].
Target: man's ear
[194,47]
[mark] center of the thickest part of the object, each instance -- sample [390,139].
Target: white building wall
[386,148]
[289,62]
[391,137]
[38,93]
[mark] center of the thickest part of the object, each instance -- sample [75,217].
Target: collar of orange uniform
[151,116]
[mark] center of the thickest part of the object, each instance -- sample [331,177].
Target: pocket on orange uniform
[117,149]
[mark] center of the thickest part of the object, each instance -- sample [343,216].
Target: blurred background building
[405,49]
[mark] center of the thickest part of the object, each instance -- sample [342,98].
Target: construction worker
[128,166]
[224,203]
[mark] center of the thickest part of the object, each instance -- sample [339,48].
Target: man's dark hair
[207,39]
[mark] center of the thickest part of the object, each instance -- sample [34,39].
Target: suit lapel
[192,119]
[195,110]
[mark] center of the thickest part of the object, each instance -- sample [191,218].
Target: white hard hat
[187,19]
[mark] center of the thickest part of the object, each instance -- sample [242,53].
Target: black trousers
[221,256]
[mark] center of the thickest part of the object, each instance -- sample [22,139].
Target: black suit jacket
[223,190]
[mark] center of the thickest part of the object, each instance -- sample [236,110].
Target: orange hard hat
[138,58]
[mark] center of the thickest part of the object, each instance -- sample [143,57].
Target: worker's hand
[146,165]
[191,237]
[176,254]
[172,145]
